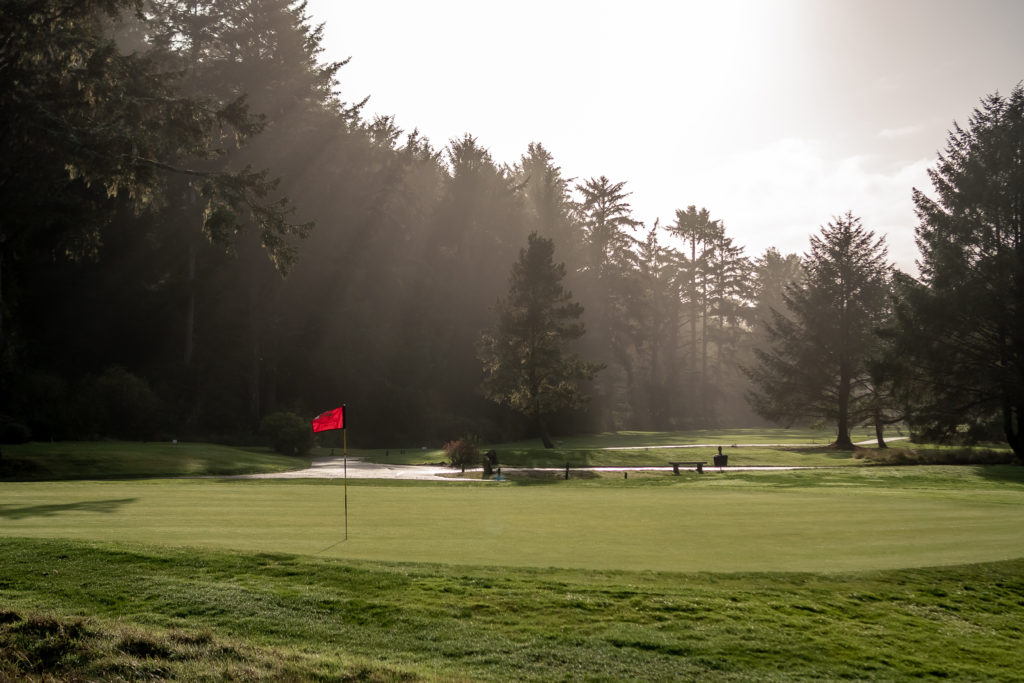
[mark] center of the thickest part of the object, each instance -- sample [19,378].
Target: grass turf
[739,576]
[103,611]
[816,520]
[123,459]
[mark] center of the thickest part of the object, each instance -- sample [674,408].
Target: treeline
[198,231]
[189,321]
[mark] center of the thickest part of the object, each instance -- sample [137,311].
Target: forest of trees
[197,230]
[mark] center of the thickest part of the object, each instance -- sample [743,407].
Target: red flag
[332,419]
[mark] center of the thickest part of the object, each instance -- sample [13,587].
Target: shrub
[288,433]
[120,404]
[949,456]
[463,452]
[14,431]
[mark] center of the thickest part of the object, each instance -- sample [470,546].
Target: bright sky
[775,115]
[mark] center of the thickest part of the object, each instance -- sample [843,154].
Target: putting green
[692,526]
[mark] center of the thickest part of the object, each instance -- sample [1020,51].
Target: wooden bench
[698,464]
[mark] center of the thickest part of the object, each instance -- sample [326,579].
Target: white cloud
[781,193]
[896,133]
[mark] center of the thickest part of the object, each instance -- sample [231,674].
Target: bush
[14,431]
[120,404]
[946,456]
[464,452]
[288,433]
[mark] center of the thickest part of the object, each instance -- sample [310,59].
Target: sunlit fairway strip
[809,522]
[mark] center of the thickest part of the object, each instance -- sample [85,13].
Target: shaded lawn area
[127,459]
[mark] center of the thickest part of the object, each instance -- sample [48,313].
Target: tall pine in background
[527,360]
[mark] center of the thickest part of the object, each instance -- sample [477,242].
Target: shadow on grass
[25,511]
[830,452]
[1010,474]
[527,477]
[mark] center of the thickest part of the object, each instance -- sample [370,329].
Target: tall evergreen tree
[92,125]
[963,323]
[548,202]
[655,317]
[698,232]
[610,289]
[527,362]
[816,365]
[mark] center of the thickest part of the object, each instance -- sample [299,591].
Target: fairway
[821,521]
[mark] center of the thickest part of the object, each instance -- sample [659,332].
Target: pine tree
[526,360]
[609,287]
[962,325]
[817,363]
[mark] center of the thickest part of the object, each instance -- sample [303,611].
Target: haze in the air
[775,115]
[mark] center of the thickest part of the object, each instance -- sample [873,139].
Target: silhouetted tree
[697,230]
[95,120]
[526,359]
[962,325]
[608,289]
[655,322]
[816,365]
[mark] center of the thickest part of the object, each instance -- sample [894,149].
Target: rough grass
[122,459]
[51,647]
[930,454]
[96,611]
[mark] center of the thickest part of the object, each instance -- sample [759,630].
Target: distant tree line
[198,231]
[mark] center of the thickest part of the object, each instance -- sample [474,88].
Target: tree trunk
[545,435]
[1,300]
[693,308]
[254,358]
[843,436]
[1013,426]
[190,304]
[879,429]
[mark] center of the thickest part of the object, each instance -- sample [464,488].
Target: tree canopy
[197,231]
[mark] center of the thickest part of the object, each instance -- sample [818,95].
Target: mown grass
[103,611]
[811,520]
[122,459]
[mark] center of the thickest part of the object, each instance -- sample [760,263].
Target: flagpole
[344,447]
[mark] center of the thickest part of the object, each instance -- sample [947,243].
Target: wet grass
[95,611]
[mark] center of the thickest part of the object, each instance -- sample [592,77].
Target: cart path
[337,467]
[744,445]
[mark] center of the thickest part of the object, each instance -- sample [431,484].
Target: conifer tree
[526,359]
[817,363]
[961,327]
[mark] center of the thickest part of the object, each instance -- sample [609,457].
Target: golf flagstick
[344,450]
